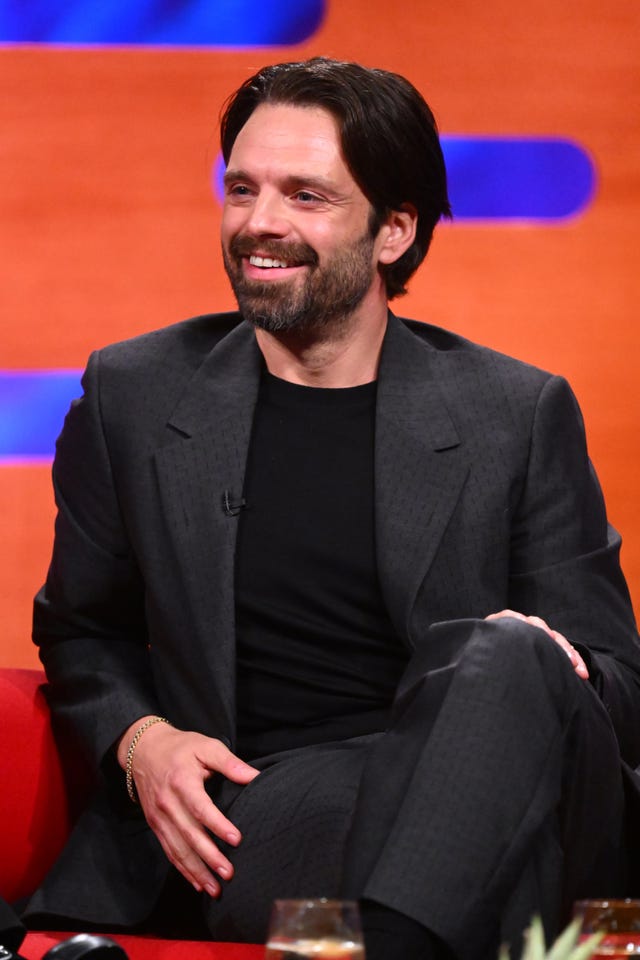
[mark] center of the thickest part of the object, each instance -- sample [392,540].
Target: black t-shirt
[317,658]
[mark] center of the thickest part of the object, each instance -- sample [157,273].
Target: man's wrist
[128,769]
[123,744]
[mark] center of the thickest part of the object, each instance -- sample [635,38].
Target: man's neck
[344,358]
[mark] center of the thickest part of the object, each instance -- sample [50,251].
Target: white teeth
[266,262]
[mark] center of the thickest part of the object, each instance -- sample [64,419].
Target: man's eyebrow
[231,175]
[294,181]
[301,182]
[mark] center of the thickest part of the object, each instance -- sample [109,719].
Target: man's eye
[238,190]
[306,197]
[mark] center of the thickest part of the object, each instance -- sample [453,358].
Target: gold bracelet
[131,789]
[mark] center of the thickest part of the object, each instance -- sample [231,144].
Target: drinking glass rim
[317,901]
[605,902]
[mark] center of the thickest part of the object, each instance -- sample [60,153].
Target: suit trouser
[495,793]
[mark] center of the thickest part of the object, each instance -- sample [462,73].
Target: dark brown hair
[388,133]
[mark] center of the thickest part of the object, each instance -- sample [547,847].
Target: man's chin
[269,312]
[270,322]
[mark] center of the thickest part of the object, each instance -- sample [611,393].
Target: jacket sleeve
[89,617]
[565,560]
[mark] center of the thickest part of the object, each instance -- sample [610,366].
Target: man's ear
[397,233]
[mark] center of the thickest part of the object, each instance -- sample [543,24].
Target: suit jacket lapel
[205,457]
[420,468]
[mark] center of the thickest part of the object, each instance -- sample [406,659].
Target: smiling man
[299,242]
[303,247]
[334,606]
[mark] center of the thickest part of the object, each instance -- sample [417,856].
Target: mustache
[298,253]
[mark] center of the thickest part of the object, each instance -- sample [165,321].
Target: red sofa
[39,799]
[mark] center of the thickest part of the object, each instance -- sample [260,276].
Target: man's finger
[193,870]
[210,817]
[516,615]
[192,851]
[577,661]
[217,757]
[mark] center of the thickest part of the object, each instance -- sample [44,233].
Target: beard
[322,300]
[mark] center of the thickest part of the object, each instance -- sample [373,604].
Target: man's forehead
[281,130]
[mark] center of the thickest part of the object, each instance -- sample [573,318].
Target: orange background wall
[108,226]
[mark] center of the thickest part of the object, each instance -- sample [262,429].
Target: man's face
[296,238]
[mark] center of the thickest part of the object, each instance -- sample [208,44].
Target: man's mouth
[260,257]
[268,262]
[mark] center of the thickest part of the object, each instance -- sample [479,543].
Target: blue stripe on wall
[32,408]
[200,23]
[531,179]
[518,178]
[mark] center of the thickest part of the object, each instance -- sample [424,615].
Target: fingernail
[212,889]
[233,838]
[224,872]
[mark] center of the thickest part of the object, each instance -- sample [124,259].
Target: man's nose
[268,216]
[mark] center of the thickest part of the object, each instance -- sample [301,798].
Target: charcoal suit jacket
[484,499]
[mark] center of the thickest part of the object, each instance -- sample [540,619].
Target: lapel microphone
[230,505]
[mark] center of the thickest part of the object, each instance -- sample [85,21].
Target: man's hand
[170,767]
[579,665]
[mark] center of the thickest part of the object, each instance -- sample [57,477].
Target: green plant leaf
[565,947]
[535,947]
[565,943]
[587,949]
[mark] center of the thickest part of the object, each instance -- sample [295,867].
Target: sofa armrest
[37,804]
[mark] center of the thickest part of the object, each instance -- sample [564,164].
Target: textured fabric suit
[484,500]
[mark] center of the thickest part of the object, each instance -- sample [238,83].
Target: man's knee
[511,649]
[508,663]
[521,666]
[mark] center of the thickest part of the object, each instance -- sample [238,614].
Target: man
[361,566]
